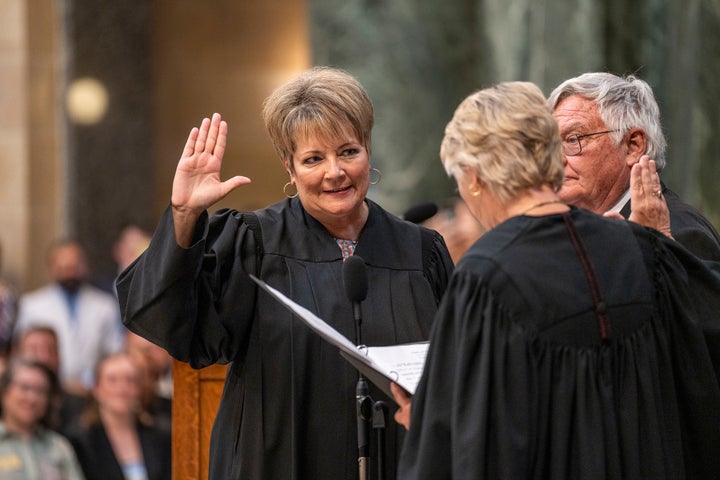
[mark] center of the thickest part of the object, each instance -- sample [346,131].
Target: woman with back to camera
[567,345]
[288,407]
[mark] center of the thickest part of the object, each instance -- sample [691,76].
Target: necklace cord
[541,204]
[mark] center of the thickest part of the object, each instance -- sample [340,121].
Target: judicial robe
[288,405]
[689,227]
[545,363]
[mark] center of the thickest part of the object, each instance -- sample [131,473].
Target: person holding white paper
[568,345]
[288,408]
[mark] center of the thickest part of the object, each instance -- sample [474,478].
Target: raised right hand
[648,205]
[197,183]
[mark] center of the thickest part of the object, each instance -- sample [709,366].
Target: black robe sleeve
[194,302]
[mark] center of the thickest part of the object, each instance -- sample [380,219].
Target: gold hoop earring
[289,195]
[379,176]
[472,192]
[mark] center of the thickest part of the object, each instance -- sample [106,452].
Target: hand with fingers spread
[197,184]
[648,203]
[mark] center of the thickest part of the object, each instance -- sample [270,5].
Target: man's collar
[621,203]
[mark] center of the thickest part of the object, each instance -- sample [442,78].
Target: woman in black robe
[568,345]
[288,406]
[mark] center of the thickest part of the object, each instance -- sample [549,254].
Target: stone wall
[419,58]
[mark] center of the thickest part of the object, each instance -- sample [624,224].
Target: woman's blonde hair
[507,135]
[322,101]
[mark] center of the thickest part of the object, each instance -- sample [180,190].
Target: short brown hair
[321,100]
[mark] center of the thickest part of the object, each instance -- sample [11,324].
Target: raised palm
[197,184]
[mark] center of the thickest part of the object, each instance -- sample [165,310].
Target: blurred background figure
[116,439]
[156,378]
[85,319]
[130,243]
[8,310]
[29,450]
[457,226]
[40,343]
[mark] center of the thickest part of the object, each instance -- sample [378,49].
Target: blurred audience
[86,319]
[130,243]
[8,310]
[116,439]
[457,226]
[156,378]
[40,343]
[29,450]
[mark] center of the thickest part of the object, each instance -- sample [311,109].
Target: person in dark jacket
[567,345]
[115,438]
[607,123]
[288,409]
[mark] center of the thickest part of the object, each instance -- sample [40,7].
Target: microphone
[356,285]
[420,212]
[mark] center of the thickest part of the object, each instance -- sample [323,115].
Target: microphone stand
[355,280]
[379,422]
[363,408]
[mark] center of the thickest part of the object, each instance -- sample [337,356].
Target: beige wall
[224,59]
[30,191]
[13,144]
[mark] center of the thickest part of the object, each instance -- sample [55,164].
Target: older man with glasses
[610,125]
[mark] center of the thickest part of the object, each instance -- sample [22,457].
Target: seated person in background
[40,343]
[28,449]
[116,440]
[567,345]
[129,244]
[151,360]
[86,319]
[8,310]
[457,226]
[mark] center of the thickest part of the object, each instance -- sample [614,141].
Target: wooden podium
[196,396]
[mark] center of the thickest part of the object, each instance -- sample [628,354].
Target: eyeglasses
[27,388]
[572,146]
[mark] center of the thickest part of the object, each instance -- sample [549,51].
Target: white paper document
[402,364]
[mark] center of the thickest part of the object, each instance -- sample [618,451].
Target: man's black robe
[288,405]
[518,383]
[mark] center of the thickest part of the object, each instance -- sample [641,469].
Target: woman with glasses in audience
[29,450]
